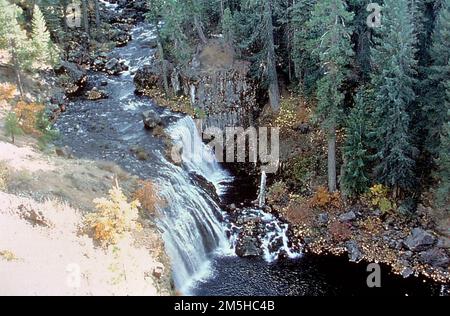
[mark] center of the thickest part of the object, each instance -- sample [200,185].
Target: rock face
[248,246]
[75,78]
[216,85]
[435,257]
[205,185]
[419,240]
[148,77]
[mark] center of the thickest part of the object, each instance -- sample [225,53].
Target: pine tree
[256,37]
[44,51]
[362,36]
[394,65]
[355,178]
[305,65]
[330,20]
[437,81]
[152,16]
[438,107]
[14,39]
[12,126]
[228,26]
[443,191]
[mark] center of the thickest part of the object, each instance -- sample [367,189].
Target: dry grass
[4,176]
[299,212]
[340,231]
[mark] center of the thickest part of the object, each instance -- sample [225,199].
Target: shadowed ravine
[192,223]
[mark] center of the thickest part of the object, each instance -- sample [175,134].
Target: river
[194,227]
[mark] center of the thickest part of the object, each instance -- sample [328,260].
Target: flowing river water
[198,236]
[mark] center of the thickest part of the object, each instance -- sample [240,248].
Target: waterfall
[262,190]
[190,222]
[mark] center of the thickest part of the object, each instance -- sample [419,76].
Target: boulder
[114,66]
[435,257]
[323,218]
[96,94]
[205,185]
[75,78]
[354,253]
[419,240]
[248,246]
[347,217]
[151,119]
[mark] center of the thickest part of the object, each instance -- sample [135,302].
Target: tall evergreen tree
[14,39]
[228,26]
[437,81]
[355,179]
[305,64]
[257,36]
[43,49]
[443,191]
[330,20]
[394,66]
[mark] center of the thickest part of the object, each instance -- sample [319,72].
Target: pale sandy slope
[56,259]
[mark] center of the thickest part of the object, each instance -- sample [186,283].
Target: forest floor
[412,242]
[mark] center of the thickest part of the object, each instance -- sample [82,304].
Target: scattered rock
[248,246]
[354,253]
[407,272]
[419,240]
[158,271]
[435,257]
[323,218]
[96,94]
[347,217]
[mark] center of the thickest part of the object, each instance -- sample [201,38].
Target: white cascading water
[191,224]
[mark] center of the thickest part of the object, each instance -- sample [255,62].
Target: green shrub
[12,126]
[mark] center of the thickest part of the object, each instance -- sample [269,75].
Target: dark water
[308,276]
[105,130]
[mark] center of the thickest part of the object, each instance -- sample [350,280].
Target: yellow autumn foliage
[114,217]
[27,113]
[7,92]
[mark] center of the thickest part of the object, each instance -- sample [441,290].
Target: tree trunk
[97,13]
[222,9]
[16,67]
[65,4]
[274,90]
[332,159]
[199,29]
[85,16]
